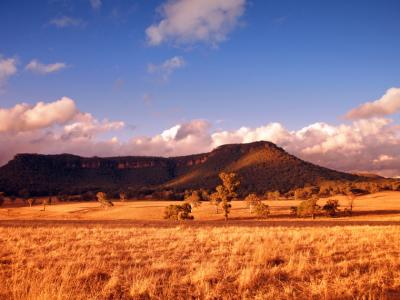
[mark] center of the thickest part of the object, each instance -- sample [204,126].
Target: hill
[261,166]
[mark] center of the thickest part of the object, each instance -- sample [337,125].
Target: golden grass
[380,206]
[187,262]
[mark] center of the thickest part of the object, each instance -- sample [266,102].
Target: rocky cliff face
[261,166]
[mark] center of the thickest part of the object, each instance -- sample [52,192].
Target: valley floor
[81,251]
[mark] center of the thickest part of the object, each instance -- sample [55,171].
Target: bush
[102,198]
[331,207]
[193,199]
[308,208]
[293,211]
[262,210]
[178,212]
[252,201]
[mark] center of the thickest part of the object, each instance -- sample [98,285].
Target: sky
[172,77]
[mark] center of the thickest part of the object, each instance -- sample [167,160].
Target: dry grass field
[184,262]
[380,206]
[81,251]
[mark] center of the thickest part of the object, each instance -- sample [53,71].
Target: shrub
[252,201]
[261,210]
[308,208]
[102,198]
[178,212]
[193,199]
[331,207]
[293,211]
[122,196]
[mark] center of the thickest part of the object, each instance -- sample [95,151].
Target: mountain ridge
[261,166]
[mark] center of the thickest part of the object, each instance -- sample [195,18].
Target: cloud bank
[363,145]
[37,67]
[190,21]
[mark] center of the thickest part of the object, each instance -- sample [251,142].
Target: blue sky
[291,62]
[294,62]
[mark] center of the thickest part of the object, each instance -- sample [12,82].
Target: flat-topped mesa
[261,166]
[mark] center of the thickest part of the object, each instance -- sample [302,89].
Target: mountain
[261,166]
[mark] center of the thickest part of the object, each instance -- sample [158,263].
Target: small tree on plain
[31,201]
[262,210]
[178,212]
[122,196]
[227,191]
[308,208]
[251,201]
[45,202]
[350,201]
[193,199]
[103,199]
[216,200]
[331,207]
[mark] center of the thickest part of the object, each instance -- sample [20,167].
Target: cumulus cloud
[39,68]
[64,21]
[365,145]
[25,117]
[189,21]
[388,104]
[95,4]
[167,67]
[8,68]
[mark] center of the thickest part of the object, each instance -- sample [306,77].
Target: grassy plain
[81,251]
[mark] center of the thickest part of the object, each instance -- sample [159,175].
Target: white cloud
[8,68]
[64,21]
[95,4]
[363,145]
[37,67]
[386,105]
[25,117]
[189,21]
[167,67]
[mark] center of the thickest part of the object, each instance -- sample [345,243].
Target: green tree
[103,199]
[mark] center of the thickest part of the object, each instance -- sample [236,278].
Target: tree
[251,201]
[122,196]
[273,195]
[227,191]
[193,199]
[331,207]
[178,212]
[262,210]
[216,200]
[103,199]
[308,208]
[31,201]
[45,202]
[350,201]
